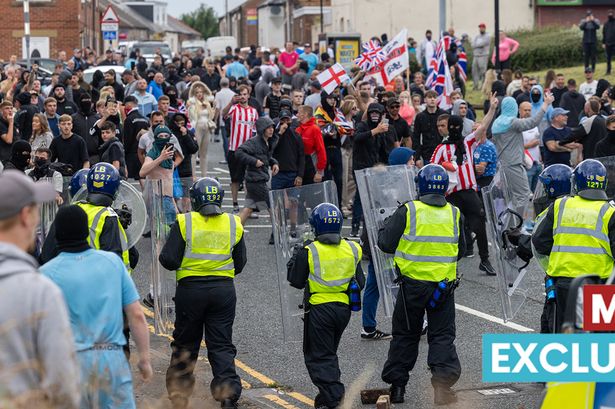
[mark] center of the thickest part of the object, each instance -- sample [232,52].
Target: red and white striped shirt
[445,152]
[242,125]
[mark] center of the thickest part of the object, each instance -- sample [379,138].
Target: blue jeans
[106,381]
[370,300]
[283,180]
[168,208]
[532,175]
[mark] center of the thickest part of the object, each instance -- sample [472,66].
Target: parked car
[149,49]
[89,73]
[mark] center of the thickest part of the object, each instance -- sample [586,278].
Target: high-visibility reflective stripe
[94,227]
[430,239]
[425,259]
[579,249]
[226,267]
[231,219]
[317,274]
[581,230]
[209,256]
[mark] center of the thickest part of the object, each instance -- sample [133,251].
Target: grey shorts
[186,185]
[257,196]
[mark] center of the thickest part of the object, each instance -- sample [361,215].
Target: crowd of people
[279,129]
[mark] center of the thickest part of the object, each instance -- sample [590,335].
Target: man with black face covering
[20,156]
[83,121]
[41,170]
[456,155]
[372,142]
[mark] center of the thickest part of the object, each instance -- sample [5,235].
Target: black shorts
[236,168]
[133,166]
[257,196]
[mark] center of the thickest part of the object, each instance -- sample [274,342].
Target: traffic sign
[110,35]
[109,27]
[109,16]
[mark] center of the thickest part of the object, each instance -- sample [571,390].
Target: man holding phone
[242,127]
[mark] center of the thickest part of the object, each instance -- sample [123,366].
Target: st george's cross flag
[332,77]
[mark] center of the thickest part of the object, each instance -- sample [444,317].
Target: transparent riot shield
[543,260]
[382,190]
[128,201]
[512,283]
[290,210]
[609,164]
[47,212]
[163,281]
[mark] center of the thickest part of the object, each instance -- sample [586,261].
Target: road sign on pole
[110,25]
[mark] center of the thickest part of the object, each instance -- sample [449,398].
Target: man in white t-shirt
[222,99]
[588,88]
[531,143]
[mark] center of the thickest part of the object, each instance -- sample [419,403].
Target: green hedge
[546,48]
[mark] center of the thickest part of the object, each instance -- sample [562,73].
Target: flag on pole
[395,60]
[439,76]
[332,77]
[372,55]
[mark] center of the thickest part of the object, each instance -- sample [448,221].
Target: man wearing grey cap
[558,131]
[37,363]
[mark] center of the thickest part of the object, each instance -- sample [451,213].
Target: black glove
[124,216]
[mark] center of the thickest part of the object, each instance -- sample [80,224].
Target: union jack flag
[371,56]
[439,75]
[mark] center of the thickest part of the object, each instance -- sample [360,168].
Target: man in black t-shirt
[6,130]
[69,148]
[402,130]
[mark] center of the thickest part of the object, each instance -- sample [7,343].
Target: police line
[548,358]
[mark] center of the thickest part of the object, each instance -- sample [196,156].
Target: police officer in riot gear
[578,232]
[426,236]
[106,230]
[77,181]
[556,183]
[326,268]
[206,249]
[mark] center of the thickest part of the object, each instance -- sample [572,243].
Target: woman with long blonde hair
[201,114]
[41,135]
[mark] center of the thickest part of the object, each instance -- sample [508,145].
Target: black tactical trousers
[323,328]
[202,307]
[472,209]
[404,349]
[552,316]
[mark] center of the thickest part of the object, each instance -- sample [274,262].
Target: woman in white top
[201,115]
[41,135]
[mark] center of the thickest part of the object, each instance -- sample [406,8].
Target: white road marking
[222,170]
[491,318]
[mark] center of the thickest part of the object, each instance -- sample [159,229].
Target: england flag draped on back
[439,76]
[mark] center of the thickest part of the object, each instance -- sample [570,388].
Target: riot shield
[609,164]
[543,260]
[128,198]
[512,283]
[163,281]
[290,215]
[47,212]
[382,190]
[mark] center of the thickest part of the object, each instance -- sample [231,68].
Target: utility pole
[26,28]
[226,18]
[497,35]
[322,18]
[442,16]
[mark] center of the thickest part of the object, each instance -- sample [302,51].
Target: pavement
[273,372]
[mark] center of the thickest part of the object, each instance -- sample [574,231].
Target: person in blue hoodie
[536,100]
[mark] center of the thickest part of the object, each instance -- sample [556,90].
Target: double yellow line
[276,399]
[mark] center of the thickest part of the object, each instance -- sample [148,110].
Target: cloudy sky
[177,8]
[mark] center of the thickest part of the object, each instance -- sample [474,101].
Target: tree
[203,20]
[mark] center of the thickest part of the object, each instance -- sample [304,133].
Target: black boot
[443,396]
[397,393]
[228,404]
[354,231]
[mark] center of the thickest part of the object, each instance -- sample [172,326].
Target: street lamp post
[26,28]
[322,18]
[497,35]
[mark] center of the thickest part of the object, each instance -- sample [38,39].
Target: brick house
[54,24]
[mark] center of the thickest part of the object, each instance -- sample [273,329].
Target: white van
[216,46]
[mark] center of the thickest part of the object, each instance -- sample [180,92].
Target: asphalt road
[273,371]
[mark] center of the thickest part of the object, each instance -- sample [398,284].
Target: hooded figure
[467,123]
[162,136]
[369,149]
[509,111]
[21,151]
[455,137]
[536,100]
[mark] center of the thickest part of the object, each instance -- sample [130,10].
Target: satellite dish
[276,10]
